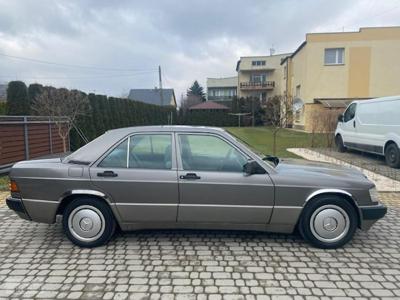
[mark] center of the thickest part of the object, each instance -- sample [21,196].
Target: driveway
[37,261]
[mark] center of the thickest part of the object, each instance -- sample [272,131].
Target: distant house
[222,89]
[3,92]
[209,105]
[154,96]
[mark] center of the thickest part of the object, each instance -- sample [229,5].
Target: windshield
[260,155]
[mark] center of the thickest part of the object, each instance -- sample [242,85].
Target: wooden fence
[27,137]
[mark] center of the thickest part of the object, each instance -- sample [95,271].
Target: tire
[392,155]
[88,222]
[339,144]
[328,222]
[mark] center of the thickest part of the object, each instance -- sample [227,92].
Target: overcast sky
[118,45]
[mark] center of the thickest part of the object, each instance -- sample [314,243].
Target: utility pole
[160,84]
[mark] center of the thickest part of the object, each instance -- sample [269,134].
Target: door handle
[107,174]
[191,176]
[354,123]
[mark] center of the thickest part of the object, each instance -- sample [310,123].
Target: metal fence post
[26,138]
[50,137]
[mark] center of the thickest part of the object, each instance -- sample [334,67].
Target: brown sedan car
[190,177]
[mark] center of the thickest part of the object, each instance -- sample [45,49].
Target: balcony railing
[251,85]
[220,98]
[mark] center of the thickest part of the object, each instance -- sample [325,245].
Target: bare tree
[278,114]
[189,101]
[63,107]
[323,122]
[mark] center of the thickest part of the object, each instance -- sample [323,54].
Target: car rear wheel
[328,222]
[88,222]
[339,143]
[392,155]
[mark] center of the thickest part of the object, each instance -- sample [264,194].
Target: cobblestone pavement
[371,162]
[37,261]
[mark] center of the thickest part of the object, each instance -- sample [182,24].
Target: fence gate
[27,137]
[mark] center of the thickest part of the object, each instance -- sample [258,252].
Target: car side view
[190,177]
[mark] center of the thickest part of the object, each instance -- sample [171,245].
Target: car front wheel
[328,222]
[339,143]
[88,222]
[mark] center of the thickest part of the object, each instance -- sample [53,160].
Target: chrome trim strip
[226,206]
[196,205]
[288,207]
[147,204]
[327,191]
[38,200]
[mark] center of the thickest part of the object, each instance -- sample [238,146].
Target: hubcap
[86,223]
[329,223]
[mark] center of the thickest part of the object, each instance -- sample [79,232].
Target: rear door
[213,187]
[140,176]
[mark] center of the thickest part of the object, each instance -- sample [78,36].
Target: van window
[350,112]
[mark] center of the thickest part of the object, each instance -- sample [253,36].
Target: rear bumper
[371,214]
[16,205]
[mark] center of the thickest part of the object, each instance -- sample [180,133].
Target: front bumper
[371,214]
[16,205]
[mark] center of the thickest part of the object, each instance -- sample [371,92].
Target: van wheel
[328,222]
[339,144]
[88,222]
[392,155]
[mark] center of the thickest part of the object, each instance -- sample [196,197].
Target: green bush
[17,99]
[3,108]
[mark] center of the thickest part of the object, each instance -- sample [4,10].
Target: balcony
[220,98]
[252,85]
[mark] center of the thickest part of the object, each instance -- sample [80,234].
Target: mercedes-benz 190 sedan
[190,177]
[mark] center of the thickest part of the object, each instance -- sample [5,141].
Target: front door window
[350,112]
[209,153]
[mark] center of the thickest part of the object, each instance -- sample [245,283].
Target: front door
[213,187]
[350,127]
[140,176]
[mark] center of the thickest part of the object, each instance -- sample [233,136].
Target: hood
[38,161]
[320,170]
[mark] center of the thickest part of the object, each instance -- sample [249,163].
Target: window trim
[179,156]
[336,57]
[104,155]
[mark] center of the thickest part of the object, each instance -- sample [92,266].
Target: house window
[258,77]
[298,91]
[258,63]
[334,56]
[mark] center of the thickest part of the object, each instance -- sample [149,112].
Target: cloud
[189,39]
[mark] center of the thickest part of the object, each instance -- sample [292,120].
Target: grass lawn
[261,139]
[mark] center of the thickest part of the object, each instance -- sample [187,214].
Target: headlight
[373,193]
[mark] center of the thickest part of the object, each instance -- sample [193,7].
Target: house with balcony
[222,89]
[260,76]
[329,70]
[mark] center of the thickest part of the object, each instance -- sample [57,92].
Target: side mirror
[252,167]
[340,118]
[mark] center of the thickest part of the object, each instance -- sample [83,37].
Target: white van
[371,126]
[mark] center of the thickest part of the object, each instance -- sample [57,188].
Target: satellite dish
[297,104]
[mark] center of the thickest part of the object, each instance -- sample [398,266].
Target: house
[329,70]
[3,92]
[209,106]
[154,96]
[260,76]
[222,89]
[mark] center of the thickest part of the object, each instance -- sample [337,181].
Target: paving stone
[39,262]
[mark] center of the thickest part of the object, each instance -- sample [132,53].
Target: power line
[83,77]
[34,60]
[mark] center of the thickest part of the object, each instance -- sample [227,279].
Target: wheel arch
[337,192]
[388,142]
[69,196]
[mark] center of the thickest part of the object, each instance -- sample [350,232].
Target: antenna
[160,84]
[271,50]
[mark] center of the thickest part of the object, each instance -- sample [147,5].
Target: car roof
[175,128]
